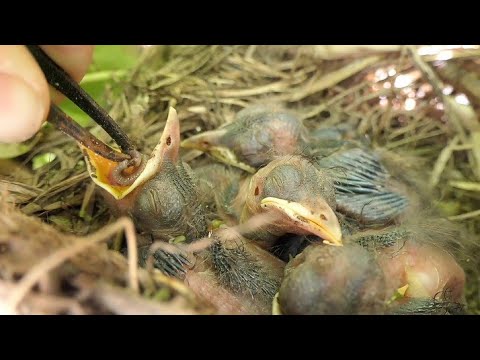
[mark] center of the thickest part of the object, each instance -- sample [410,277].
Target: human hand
[24,92]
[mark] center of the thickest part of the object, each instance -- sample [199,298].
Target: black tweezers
[60,80]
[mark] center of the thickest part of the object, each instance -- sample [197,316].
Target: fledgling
[328,280]
[165,202]
[256,136]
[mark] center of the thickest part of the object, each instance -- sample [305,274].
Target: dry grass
[208,85]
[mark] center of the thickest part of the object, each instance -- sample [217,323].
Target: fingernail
[21,110]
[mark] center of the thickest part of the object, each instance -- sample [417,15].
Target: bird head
[256,136]
[332,280]
[163,199]
[301,197]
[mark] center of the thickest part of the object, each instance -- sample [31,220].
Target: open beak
[102,170]
[208,142]
[323,223]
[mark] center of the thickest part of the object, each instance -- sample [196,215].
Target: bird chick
[257,135]
[161,198]
[168,203]
[235,275]
[414,257]
[428,270]
[370,185]
[164,201]
[301,196]
[327,280]
[219,185]
[418,274]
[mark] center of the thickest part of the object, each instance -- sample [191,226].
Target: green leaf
[10,151]
[101,76]
[109,63]
[43,159]
[113,57]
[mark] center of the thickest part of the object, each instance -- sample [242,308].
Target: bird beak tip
[303,218]
[334,242]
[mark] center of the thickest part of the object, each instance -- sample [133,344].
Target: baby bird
[219,185]
[415,254]
[407,270]
[301,196]
[235,275]
[257,135]
[372,186]
[326,280]
[164,202]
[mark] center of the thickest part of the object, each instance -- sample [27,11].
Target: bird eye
[257,191]
[205,143]
[169,141]
[323,217]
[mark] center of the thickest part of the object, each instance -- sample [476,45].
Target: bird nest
[59,245]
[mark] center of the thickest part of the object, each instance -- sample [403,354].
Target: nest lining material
[395,96]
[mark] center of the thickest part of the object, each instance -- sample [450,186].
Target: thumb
[24,97]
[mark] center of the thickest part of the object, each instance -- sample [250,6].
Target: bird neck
[265,234]
[183,179]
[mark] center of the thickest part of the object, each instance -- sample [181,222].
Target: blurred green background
[109,66]
[110,63]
